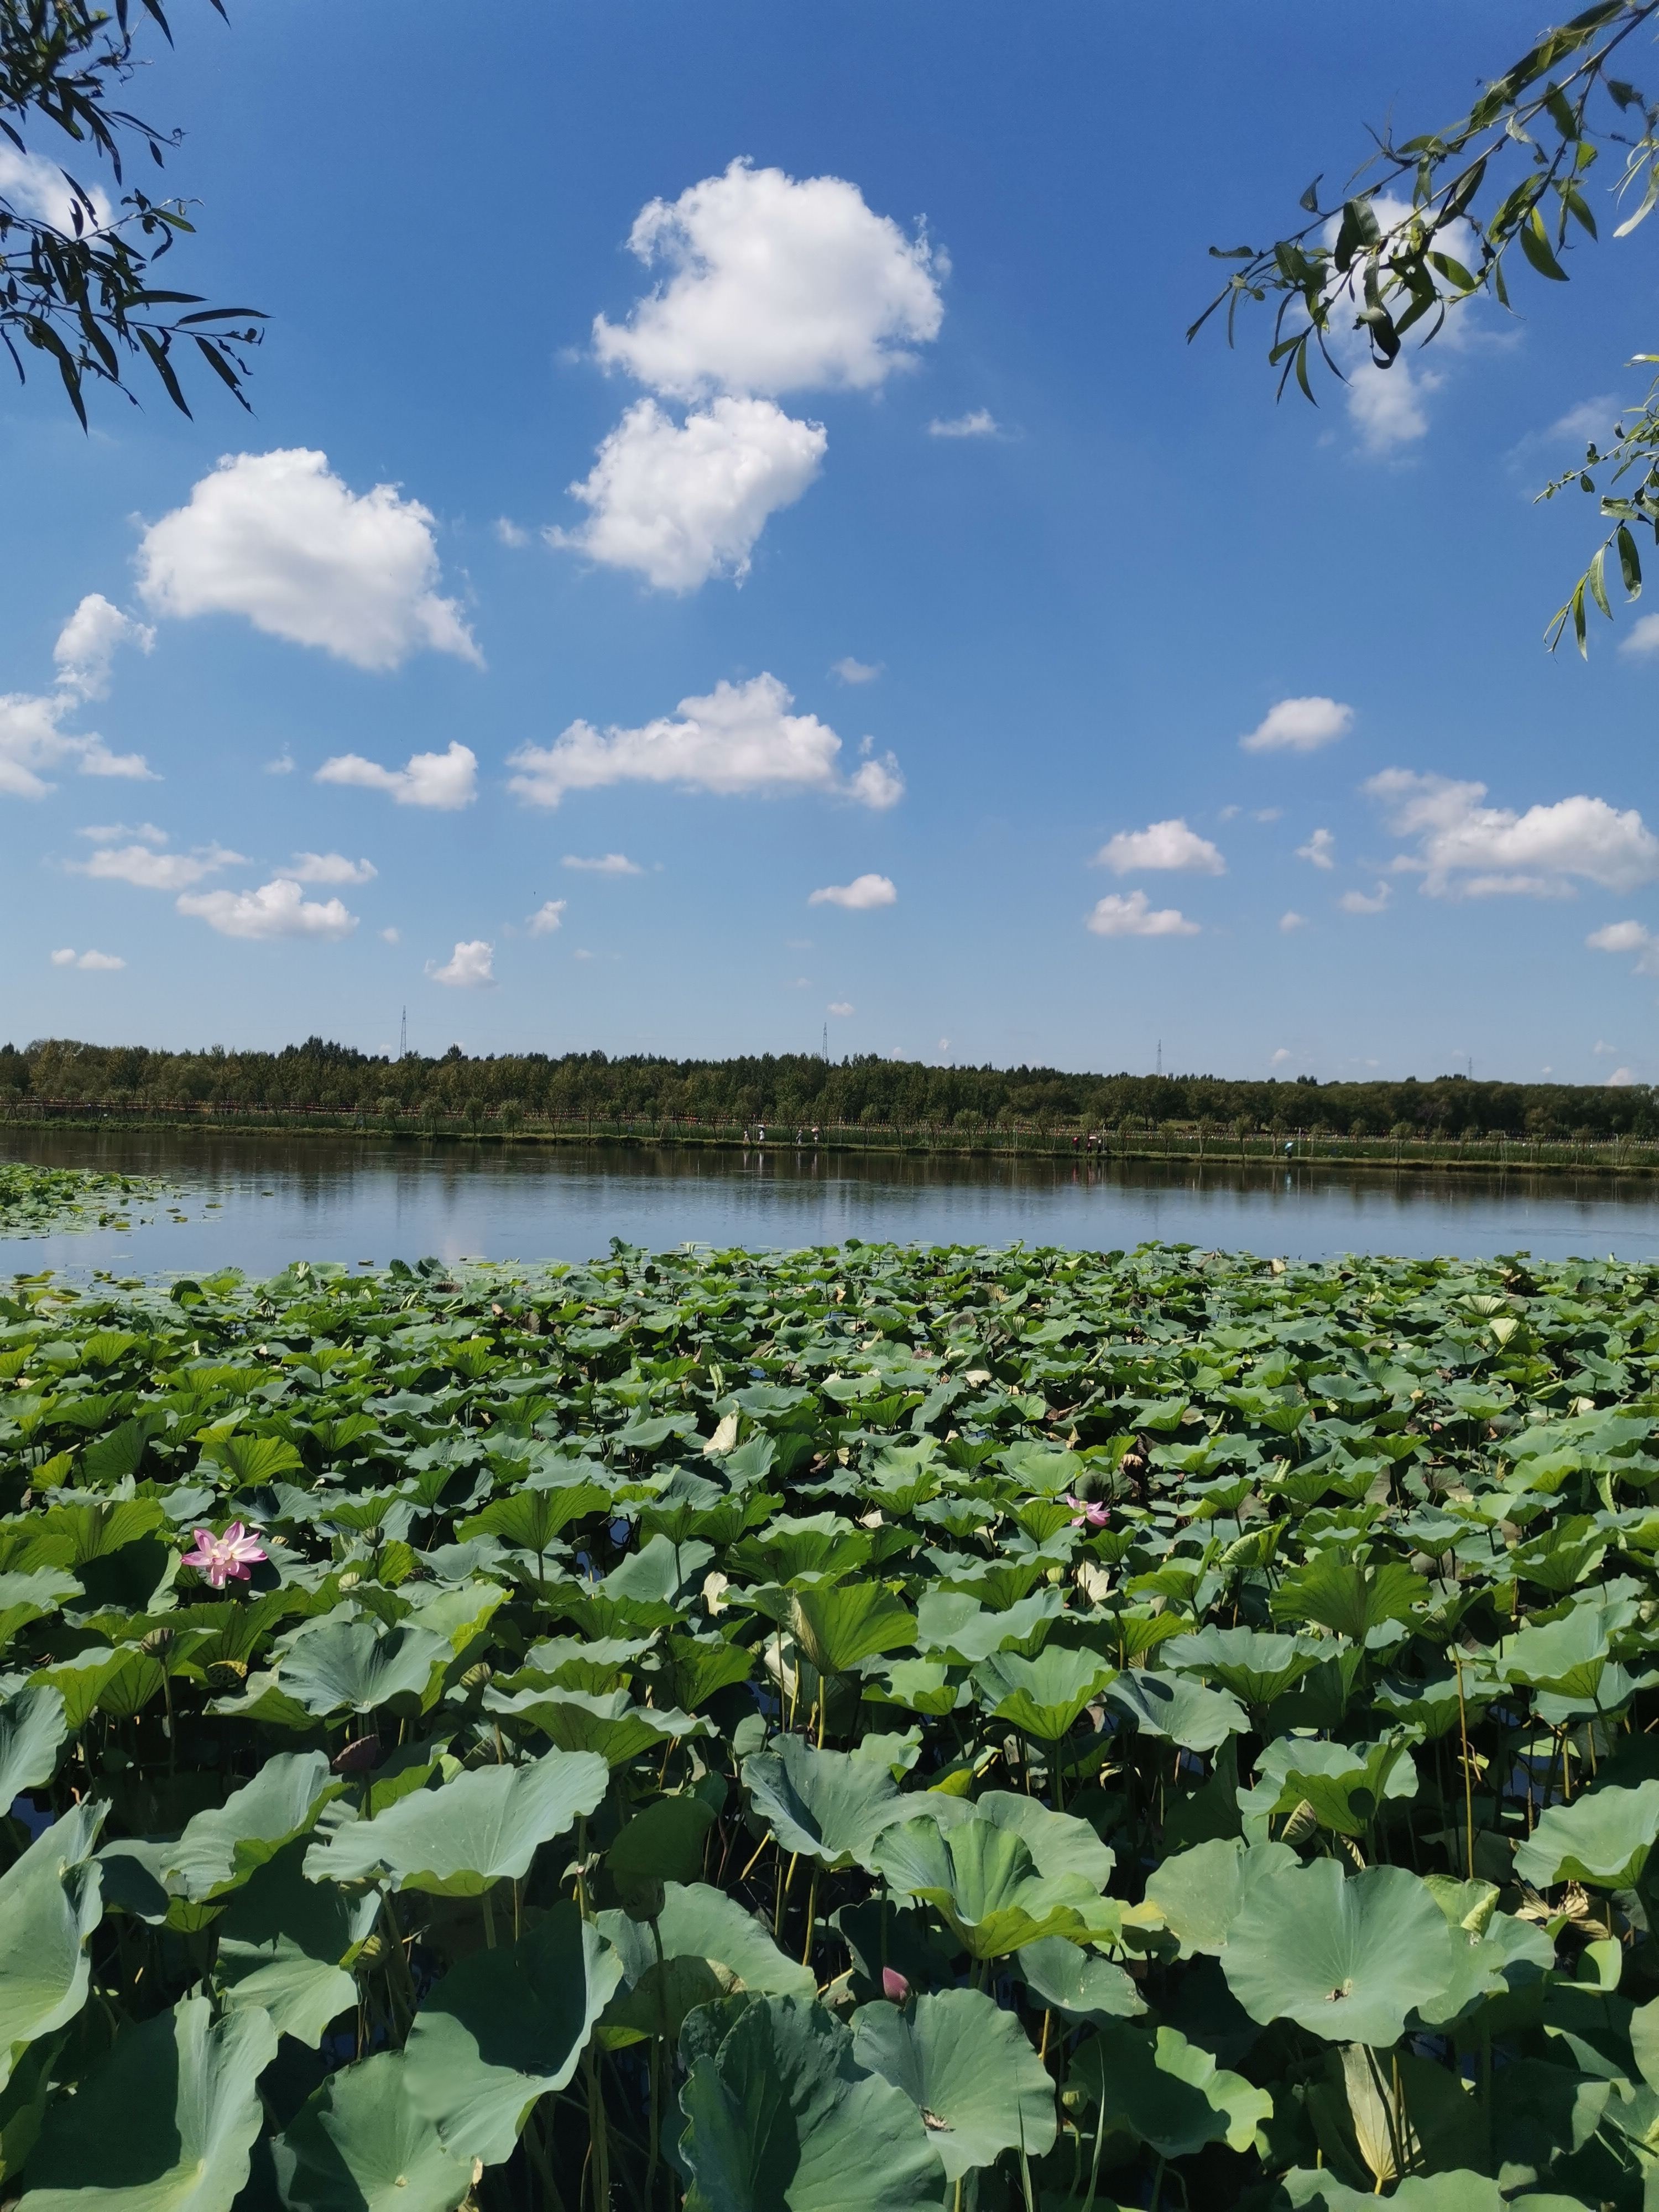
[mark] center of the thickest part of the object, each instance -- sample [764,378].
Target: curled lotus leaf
[1604,1838]
[826,1805]
[49,1903]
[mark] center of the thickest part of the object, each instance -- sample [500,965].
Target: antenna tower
[1160,1056]
[403,1035]
[826,1044]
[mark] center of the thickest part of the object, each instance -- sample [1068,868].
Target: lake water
[259,1201]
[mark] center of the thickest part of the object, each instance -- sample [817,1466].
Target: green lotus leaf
[165,2123]
[657,1572]
[358,2145]
[354,1666]
[983,1882]
[220,1849]
[49,1903]
[710,1947]
[1505,1953]
[780,2117]
[505,2027]
[1041,1697]
[461,1838]
[250,1460]
[1565,1658]
[1167,2092]
[1250,1662]
[969,2069]
[662,1842]
[1058,1842]
[119,1682]
[1346,1959]
[32,1596]
[1344,1783]
[1603,1839]
[1309,2190]
[609,1723]
[1181,1710]
[532,1518]
[825,1805]
[837,1625]
[953,1626]
[285,1944]
[1067,1978]
[1342,1594]
[1200,1892]
[919,1685]
[33,1731]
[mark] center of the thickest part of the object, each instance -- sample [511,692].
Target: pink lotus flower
[227,1557]
[1097,1517]
[894,1987]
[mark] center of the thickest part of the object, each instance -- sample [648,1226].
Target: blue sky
[898,470]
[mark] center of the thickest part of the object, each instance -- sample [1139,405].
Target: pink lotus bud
[894,1987]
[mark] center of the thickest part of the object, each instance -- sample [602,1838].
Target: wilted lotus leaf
[826,1805]
[49,1904]
[1604,1838]
[1344,1958]
[780,2118]
[358,2145]
[1167,2091]
[505,2027]
[968,2068]
[460,1839]
[165,2123]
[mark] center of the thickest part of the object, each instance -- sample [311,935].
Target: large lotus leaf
[920,1686]
[1342,1594]
[26,1597]
[220,1849]
[836,1625]
[1566,1657]
[954,1625]
[1604,1838]
[1253,1664]
[354,1666]
[969,2069]
[825,1805]
[1344,1958]
[1058,1842]
[507,2027]
[285,1944]
[358,2145]
[662,1842]
[710,1947]
[657,1572]
[165,2123]
[1172,1706]
[608,1724]
[1169,2092]
[532,1517]
[459,1839]
[119,1682]
[1044,1696]
[1505,1953]
[49,1904]
[1309,2190]
[1344,1783]
[1067,1978]
[33,1731]
[780,2117]
[1200,1892]
[982,1880]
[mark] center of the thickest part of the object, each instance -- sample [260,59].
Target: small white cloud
[1619,1077]
[1299,726]
[1169,845]
[679,502]
[1266,813]
[278,908]
[1280,1057]
[775,285]
[1291,921]
[282,765]
[581,952]
[1628,937]
[389,936]
[603,864]
[1465,849]
[841,1006]
[471,966]
[1641,638]
[1385,405]
[87,642]
[740,738]
[152,871]
[1363,902]
[111,833]
[855,672]
[1319,849]
[863,893]
[278,539]
[32,740]
[96,963]
[1118,915]
[445,780]
[329,868]
[38,189]
[982,423]
[547,918]
[1602,1046]
[511,533]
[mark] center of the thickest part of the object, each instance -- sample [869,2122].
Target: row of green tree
[795,1090]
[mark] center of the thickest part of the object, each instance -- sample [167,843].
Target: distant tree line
[798,1088]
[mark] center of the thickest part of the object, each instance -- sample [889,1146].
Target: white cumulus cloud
[278,908]
[774,284]
[1299,726]
[1291,921]
[679,502]
[547,917]
[445,780]
[87,643]
[980,423]
[603,864]
[1467,850]
[859,896]
[97,963]
[855,672]
[39,188]
[740,737]
[471,966]
[33,741]
[1131,915]
[329,868]
[1161,845]
[1641,638]
[841,1007]
[149,870]
[1365,902]
[1628,937]
[1319,849]
[279,538]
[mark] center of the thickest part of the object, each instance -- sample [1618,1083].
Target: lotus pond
[849,1731]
